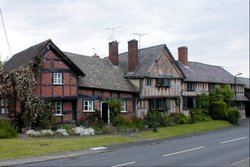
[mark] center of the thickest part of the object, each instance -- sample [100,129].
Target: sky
[216,32]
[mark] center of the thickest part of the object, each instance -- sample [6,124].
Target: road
[225,147]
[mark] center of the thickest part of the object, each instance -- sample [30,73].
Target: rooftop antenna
[140,35]
[112,38]
[5,32]
[93,51]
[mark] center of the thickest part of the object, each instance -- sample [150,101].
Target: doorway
[105,112]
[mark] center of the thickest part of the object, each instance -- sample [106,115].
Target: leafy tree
[202,101]
[19,84]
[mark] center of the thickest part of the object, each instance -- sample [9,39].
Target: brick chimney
[96,56]
[113,53]
[132,55]
[183,55]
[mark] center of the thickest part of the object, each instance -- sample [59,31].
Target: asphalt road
[224,147]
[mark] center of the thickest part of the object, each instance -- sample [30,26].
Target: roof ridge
[150,47]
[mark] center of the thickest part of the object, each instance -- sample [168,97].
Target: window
[211,86]
[88,106]
[149,81]
[163,82]
[159,104]
[190,86]
[124,107]
[57,78]
[189,102]
[58,108]
[4,106]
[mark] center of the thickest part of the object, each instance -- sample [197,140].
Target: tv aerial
[112,29]
[140,35]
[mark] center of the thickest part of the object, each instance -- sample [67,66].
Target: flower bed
[79,131]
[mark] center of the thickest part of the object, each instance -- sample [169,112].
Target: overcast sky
[215,31]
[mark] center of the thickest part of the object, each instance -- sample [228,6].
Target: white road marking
[179,152]
[128,163]
[98,148]
[228,141]
[239,161]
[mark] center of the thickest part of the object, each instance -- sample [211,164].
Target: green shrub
[137,123]
[122,121]
[178,118]
[218,110]
[153,119]
[167,121]
[233,115]
[6,129]
[199,115]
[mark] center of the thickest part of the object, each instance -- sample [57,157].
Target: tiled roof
[146,58]
[23,57]
[245,81]
[199,72]
[100,73]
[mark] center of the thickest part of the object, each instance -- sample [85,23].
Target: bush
[233,115]
[122,121]
[199,115]
[153,119]
[7,130]
[218,110]
[138,123]
[167,121]
[178,118]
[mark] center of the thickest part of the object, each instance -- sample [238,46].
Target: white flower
[62,132]
[83,131]
[33,133]
[47,132]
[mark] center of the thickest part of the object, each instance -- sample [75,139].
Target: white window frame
[56,113]
[124,107]
[89,104]
[57,78]
[4,106]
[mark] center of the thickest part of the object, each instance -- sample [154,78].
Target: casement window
[188,103]
[4,106]
[149,81]
[57,78]
[88,106]
[190,87]
[212,86]
[124,107]
[159,104]
[58,108]
[163,82]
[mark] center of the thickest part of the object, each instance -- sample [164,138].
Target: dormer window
[163,82]
[57,78]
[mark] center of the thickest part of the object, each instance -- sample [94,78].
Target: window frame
[161,104]
[190,87]
[60,110]
[4,106]
[90,108]
[124,108]
[163,82]
[57,78]
[148,81]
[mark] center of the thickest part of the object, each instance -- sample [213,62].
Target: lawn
[184,129]
[19,148]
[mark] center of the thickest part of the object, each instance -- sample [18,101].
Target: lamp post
[235,87]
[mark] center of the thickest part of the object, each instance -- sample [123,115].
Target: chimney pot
[183,55]
[113,53]
[132,55]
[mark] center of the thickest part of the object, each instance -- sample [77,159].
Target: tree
[20,84]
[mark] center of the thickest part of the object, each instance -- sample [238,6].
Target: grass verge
[20,148]
[184,129]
